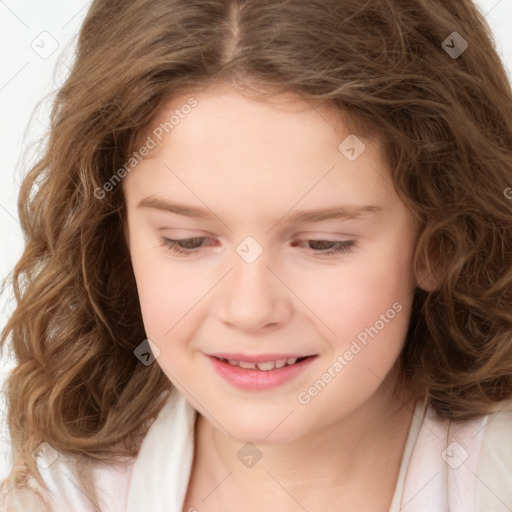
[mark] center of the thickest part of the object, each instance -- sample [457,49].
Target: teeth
[270,365]
[250,366]
[265,366]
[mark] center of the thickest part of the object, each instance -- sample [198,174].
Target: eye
[188,246]
[335,246]
[175,245]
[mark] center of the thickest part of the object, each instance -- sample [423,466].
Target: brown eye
[185,246]
[330,247]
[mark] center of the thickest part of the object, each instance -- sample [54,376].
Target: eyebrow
[332,212]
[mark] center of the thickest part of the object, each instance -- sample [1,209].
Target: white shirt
[446,467]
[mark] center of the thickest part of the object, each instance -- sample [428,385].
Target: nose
[254,297]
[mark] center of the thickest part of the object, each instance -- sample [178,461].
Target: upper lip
[260,358]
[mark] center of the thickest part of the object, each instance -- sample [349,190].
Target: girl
[268,264]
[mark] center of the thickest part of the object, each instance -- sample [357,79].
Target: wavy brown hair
[445,125]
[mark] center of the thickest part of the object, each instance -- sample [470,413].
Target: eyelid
[340,246]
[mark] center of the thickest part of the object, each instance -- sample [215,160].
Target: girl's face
[258,275]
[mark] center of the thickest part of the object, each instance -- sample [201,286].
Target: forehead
[221,119]
[225,107]
[275,150]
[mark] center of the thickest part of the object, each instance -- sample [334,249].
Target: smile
[264,366]
[261,375]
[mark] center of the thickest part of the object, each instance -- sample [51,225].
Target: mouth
[267,373]
[265,366]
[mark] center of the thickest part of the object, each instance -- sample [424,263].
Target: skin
[253,163]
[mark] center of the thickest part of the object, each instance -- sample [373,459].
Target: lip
[259,380]
[260,358]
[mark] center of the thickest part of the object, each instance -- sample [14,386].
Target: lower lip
[259,380]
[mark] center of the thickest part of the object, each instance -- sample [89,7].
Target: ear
[427,282]
[429,278]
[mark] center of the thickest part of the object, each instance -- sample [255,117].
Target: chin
[262,430]
[261,437]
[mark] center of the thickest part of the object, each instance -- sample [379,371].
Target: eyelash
[341,246]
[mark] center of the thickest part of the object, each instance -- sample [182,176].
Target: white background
[29,31]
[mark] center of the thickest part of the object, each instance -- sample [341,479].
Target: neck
[347,457]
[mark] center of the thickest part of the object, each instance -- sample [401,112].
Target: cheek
[353,296]
[166,290]
[364,307]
